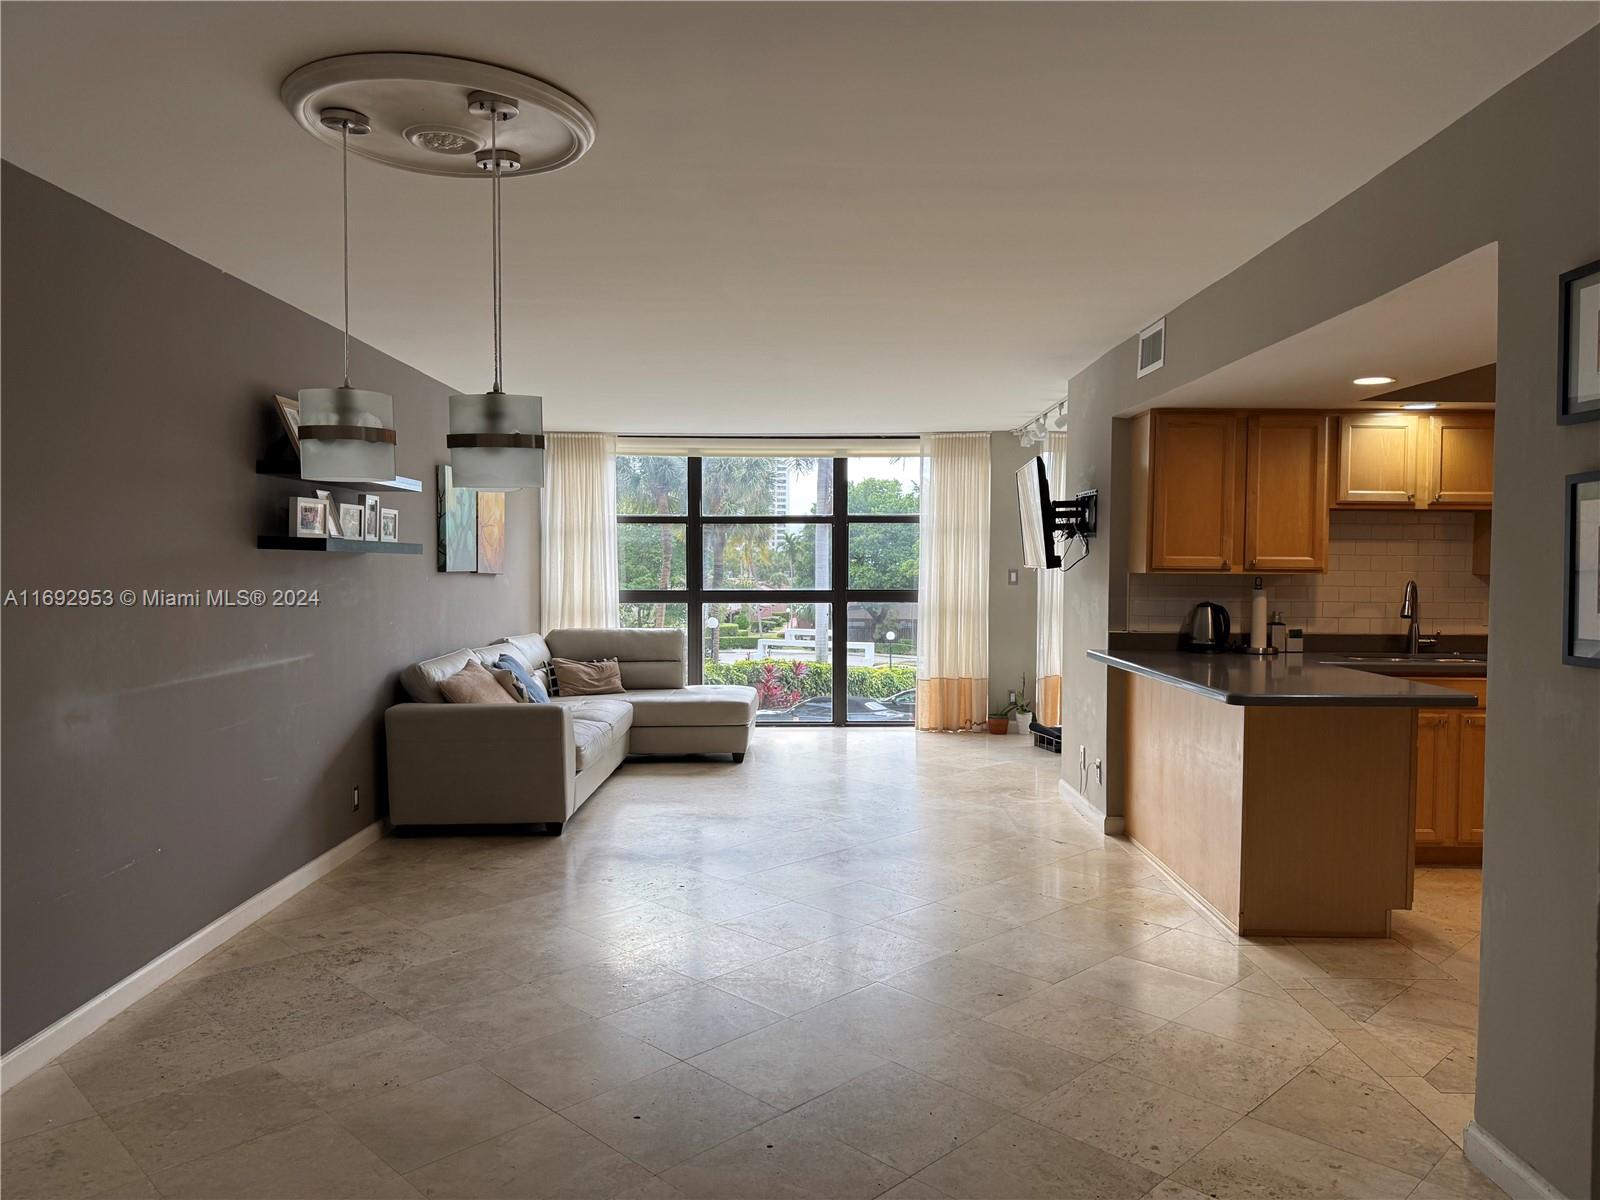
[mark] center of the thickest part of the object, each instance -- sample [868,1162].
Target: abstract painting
[491,533]
[458,525]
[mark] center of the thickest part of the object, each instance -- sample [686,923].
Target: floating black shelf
[291,470]
[331,545]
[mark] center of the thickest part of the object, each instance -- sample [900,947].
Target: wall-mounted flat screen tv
[1038,522]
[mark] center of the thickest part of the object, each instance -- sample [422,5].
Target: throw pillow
[602,678]
[532,690]
[474,685]
[509,681]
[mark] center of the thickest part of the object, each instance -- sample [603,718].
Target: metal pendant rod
[494,150]
[344,159]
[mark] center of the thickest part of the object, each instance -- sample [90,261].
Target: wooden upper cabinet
[1461,459]
[1195,509]
[1377,460]
[1469,780]
[1286,492]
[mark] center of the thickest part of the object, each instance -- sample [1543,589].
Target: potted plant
[1020,710]
[1000,722]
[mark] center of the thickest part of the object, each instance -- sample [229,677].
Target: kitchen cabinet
[1469,780]
[1400,460]
[1438,749]
[1188,491]
[1286,492]
[1377,461]
[1460,464]
[1448,792]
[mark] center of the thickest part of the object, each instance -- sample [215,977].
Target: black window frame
[839,596]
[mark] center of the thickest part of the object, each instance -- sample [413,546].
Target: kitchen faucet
[1411,610]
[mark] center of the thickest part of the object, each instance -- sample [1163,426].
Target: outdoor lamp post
[890,636]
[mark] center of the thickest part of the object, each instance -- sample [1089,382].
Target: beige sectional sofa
[472,764]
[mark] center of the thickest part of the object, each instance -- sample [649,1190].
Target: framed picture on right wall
[1579,368]
[1581,620]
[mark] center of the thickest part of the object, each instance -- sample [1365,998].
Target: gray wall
[160,767]
[1523,170]
[1013,608]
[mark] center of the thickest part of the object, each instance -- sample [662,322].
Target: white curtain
[578,584]
[1052,600]
[953,586]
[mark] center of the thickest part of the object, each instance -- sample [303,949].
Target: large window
[778,582]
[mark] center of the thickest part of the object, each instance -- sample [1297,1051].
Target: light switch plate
[1011,576]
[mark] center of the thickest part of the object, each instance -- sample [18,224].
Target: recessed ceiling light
[1419,407]
[1372,380]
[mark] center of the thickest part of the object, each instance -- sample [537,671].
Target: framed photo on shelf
[1580,625]
[335,526]
[388,524]
[289,414]
[369,524]
[1579,364]
[308,517]
[350,520]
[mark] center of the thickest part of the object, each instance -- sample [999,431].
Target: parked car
[819,710]
[905,702]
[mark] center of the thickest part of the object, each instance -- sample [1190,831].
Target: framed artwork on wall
[458,525]
[1580,623]
[1579,364]
[491,533]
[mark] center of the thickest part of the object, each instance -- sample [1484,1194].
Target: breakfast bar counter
[1276,790]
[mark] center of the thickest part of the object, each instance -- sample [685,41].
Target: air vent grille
[1152,348]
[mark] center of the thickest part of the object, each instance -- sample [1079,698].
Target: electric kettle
[1206,630]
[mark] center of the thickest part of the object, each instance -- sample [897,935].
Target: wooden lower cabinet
[1469,780]
[1449,787]
[1438,740]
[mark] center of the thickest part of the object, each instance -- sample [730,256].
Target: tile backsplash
[1370,557]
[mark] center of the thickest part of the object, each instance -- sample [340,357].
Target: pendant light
[496,441]
[346,433]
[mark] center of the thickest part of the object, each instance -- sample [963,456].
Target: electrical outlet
[355,798]
[1100,772]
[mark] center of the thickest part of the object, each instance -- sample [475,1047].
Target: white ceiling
[1438,324]
[826,218]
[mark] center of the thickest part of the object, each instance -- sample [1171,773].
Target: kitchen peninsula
[1277,790]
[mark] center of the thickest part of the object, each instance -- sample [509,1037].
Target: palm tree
[735,487]
[654,484]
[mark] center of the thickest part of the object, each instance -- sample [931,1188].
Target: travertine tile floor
[863,963]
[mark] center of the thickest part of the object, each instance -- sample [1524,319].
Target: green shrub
[811,679]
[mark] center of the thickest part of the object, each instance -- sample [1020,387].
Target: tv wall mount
[1075,518]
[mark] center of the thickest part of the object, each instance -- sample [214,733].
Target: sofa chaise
[483,764]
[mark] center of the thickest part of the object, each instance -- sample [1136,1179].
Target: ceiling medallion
[415,104]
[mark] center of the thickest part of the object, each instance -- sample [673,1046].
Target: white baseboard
[49,1043]
[1114,826]
[1508,1172]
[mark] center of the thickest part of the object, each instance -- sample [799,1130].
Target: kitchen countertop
[1282,680]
